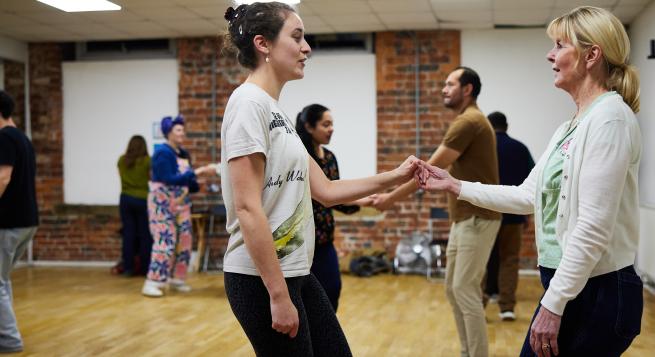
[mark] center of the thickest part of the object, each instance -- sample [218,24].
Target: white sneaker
[507,316]
[179,285]
[153,288]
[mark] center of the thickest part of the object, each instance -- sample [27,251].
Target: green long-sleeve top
[134,180]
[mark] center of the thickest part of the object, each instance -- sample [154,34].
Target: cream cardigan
[598,211]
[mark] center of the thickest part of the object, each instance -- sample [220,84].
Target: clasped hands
[427,177]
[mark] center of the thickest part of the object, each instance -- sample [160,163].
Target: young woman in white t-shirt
[268,183]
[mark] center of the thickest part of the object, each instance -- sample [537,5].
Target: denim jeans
[603,319]
[13,243]
[136,233]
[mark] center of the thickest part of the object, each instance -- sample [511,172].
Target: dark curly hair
[247,21]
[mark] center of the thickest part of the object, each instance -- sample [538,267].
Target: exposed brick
[15,86]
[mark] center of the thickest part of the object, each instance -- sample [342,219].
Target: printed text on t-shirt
[293,175]
[277,122]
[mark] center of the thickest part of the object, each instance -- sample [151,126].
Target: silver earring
[267,59]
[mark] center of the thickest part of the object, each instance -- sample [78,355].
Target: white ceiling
[29,20]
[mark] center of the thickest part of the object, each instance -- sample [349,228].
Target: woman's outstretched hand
[405,171]
[434,179]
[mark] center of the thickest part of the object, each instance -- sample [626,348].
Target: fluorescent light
[288,2]
[81,5]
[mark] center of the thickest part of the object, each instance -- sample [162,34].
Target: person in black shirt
[18,214]
[314,125]
[514,165]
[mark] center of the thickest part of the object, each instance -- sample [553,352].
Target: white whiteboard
[345,83]
[105,103]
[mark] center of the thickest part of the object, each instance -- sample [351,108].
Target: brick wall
[91,233]
[15,86]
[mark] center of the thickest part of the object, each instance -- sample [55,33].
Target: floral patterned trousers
[169,213]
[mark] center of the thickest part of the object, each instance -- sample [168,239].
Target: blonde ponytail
[625,81]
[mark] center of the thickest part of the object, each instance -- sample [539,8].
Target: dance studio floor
[87,312]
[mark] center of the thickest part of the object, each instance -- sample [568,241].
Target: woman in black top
[315,127]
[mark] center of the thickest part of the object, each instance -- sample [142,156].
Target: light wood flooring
[87,312]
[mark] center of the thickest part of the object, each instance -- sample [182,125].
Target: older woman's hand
[434,179]
[543,333]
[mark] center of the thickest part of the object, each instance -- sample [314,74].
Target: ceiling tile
[339,7]
[466,25]
[395,6]
[90,29]
[320,30]
[41,31]
[361,19]
[575,3]
[459,5]
[24,6]
[113,16]
[303,10]
[410,26]
[11,20]
[521,17]
[465,16]
[131,4]
[313,21]
[171,12]
[50,17]
[633,2]
[358,28]
[208,11]
[194,27]
[136,27]
[408,18]
[523,4]
[223,3]
[627,13]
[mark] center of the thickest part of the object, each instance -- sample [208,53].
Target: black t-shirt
[18,207]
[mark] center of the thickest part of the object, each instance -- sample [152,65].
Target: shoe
[179,285]
[11,349]
[153,288]
[507,315]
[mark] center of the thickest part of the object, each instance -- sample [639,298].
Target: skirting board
[67,264]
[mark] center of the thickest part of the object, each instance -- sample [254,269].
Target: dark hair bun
[229,13]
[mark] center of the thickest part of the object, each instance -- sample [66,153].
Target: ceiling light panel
[82,5]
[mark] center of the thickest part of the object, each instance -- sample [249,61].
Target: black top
[514,166]
[18,207]
[323,218]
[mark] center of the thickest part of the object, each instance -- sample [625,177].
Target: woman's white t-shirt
[254,123]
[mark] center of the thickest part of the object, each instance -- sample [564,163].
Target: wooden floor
[87,312]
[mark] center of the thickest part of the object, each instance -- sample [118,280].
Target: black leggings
[319,333]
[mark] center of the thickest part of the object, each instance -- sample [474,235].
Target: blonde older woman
[584,194]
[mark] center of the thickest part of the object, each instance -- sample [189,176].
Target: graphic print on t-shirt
[289,235]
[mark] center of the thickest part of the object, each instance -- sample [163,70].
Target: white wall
[105,103]
[642,30]
[345,83]
[518,81]
[13,49]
